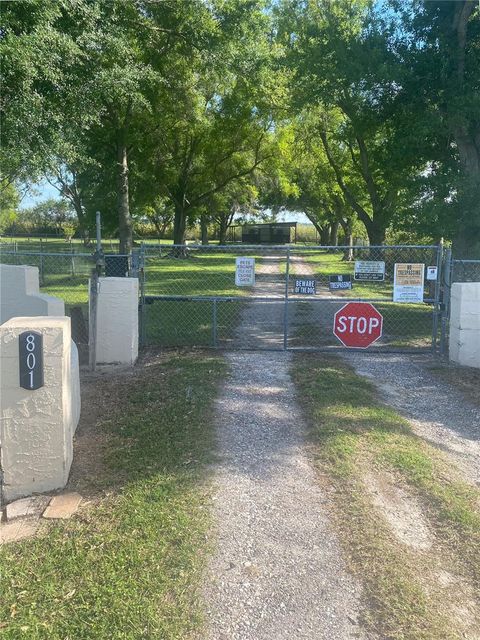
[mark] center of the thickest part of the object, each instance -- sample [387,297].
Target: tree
[210,142]
[9,201]
[440,43]
[344,69]
[95,72]
[160,214]
[50,216]
[239,198]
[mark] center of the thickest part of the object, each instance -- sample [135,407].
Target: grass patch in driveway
[127,566]
[354,438]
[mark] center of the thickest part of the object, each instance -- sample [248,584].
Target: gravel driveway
[438,412]
[277,572]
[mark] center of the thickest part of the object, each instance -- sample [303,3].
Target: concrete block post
[37,426]
[465,324]
[117,321]
[20,294]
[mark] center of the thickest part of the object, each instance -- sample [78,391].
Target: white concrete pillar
[464,342]
[117,321]
[37,426]
[20,294]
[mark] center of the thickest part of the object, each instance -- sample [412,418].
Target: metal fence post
[94,284]
[447,282]
[436,296]
[214,323]
[285,310]
[42,280]
[92,321]
[143,309]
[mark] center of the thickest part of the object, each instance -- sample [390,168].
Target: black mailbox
[116,266]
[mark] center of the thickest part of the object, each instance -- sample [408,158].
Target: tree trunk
[325,235]
[222,232]
[334,233]
[179,225]
[160,228]
[82,223]
[347,226]
[466,130]
[204,229]
[376,230]
[123,203]
[466,242]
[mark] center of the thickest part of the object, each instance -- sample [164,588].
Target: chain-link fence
[288,298]
[65,276]
[191,295]
[465,271]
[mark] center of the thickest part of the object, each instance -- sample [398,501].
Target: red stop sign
[358,324]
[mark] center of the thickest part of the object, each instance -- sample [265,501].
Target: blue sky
[39,193]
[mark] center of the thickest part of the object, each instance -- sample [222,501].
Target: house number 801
[31,360]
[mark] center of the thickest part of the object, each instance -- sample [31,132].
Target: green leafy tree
[50,216]
[439,47]
[344,68]
[9,201]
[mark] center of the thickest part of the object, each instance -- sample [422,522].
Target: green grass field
[174,322]
[129,564]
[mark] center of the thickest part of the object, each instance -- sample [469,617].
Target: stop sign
[358,324]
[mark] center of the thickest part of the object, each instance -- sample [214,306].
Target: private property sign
[369,270]
[358,325]
[408,282]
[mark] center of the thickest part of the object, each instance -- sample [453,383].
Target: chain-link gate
[189,296]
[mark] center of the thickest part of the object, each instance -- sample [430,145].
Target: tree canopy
[351,111]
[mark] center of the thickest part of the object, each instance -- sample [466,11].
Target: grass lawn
[129,564]
[187,322]
[202,274]
[356,438]
[191,323]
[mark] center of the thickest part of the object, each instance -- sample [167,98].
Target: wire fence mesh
[66,275]
[191,298]
[465,271]
[190,295]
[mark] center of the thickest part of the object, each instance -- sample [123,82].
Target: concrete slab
[26,507]
[18,529]
[63,506]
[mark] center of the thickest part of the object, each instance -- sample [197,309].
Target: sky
[39,193]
